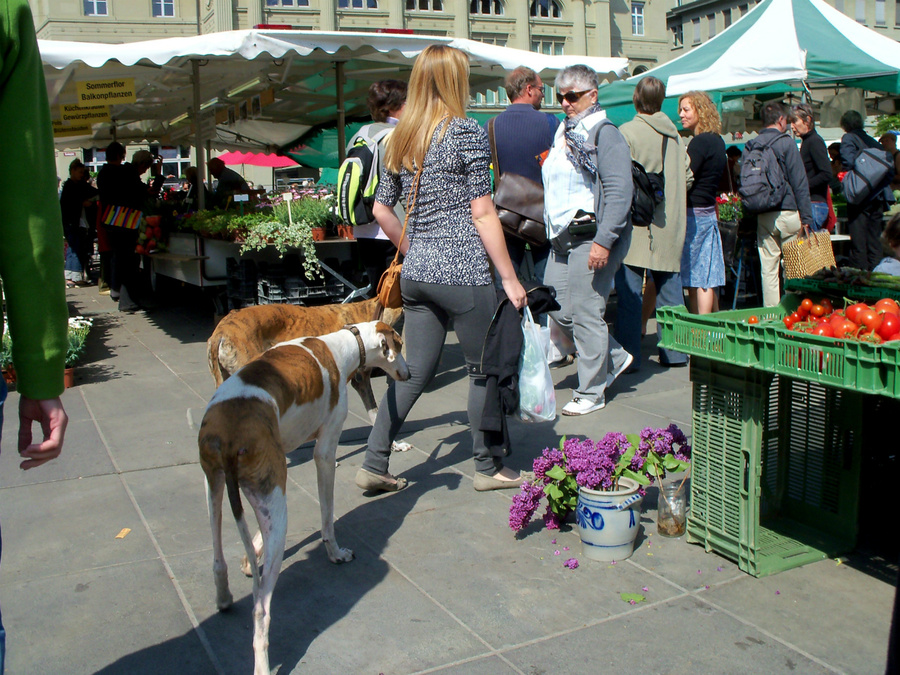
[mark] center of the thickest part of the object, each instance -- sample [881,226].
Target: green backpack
[358,176]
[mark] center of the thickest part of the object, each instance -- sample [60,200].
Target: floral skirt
[702,264]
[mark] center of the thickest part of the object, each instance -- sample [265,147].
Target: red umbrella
[257,159]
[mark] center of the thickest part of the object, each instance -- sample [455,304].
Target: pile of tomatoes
[858,321]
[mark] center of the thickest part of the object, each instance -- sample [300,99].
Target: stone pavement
[439,583]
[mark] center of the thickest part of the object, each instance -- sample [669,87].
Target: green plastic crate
[836,290]
[775,467]
[722,336]
[890,357]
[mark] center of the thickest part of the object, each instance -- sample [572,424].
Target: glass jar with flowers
[729,210]
[603,483]
[79,327]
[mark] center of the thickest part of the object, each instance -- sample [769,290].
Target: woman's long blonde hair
[438,86]
[707,115]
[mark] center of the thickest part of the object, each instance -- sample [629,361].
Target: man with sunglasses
[587,200]
[522,135]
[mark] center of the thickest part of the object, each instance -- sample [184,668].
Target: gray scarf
[578,150]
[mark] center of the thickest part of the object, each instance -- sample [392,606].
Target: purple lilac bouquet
[597,465]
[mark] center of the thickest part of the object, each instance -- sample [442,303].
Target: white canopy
[295,73]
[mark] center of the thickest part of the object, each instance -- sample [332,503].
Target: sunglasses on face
[571,96]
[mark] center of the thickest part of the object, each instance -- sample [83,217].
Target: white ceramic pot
[608,521]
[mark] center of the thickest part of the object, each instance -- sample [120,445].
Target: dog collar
[359,343]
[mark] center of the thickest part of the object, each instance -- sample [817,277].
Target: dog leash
[359,343]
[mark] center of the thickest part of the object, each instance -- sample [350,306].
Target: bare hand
[598,257]
[515,293]
[49,413]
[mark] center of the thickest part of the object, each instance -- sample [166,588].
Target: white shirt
[566,189]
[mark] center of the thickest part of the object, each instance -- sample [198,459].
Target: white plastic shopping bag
[537,398]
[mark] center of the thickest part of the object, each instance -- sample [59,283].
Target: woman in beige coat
[657,248]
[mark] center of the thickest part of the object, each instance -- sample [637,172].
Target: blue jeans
[3,392]
[669,292]
[819,214]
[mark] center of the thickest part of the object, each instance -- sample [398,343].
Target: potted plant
[6,362]
[603,483]
[79,327]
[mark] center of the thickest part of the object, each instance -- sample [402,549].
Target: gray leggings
[428,310]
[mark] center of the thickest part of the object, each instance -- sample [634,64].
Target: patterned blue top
[444,246]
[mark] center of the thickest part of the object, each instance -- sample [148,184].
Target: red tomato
[890,325]
[870,319]
[837,318]
[887,305]
[806,304]
[826,303]
[817,310]
[870,336]
[824,329]
[853,311]
[845,329]
[139,249]
[788,322]
[896,336]
[797,317]
[753,319]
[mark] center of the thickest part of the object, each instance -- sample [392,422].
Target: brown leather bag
[389,285]
[519,202]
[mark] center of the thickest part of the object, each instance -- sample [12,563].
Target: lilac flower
[524,504]
[548,459]
[551,521]
[571,563]
[556,552]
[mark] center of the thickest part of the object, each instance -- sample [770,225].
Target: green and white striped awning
[779,41]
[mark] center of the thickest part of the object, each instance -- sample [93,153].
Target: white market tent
[779,42]
[303,79]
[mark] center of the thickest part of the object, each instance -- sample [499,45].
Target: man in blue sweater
[522,135]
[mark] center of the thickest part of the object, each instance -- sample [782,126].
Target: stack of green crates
[775,468]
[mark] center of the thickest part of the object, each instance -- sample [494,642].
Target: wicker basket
[807,254]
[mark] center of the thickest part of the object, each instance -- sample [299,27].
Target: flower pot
[69,377]
[345,232]
[608,521]
[318,233]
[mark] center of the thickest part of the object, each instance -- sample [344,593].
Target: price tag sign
[242,198]
[288,196]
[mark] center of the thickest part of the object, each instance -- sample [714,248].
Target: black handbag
[519,202]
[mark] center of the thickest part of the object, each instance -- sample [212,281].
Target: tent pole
[341,137]
[198,133]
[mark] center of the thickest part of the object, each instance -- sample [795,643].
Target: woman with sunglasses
[438,159]
[702,262]
[587,199]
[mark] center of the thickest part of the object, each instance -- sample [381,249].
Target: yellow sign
[106,92]
[74,114]
[61,129]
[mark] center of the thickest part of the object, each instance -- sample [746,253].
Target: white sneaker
[611,377]
[582,406]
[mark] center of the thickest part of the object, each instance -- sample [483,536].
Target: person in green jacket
[31,244]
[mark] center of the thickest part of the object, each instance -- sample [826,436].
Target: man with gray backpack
[866,186]
[774,185]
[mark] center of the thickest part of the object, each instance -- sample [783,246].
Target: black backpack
[763,184]
[649,188]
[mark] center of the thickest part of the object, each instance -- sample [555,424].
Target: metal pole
[198,134]
[339,85]
[198,17]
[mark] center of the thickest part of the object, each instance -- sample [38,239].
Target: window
[287,3]
[357,4]
[696,26]
[744,9]
[726,18]
[425,5]
[546,9]
[879,13]
[95,8]
[163,7]
[839,5]
[861,11]
[175,159]
[487,7]
[678,35]
[549,47]
[897,15]
[637,18]
[711,20]
[493,97]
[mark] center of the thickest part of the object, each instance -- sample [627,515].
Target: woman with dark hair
[438,159]
[864,221]
[815,160]
[890,264]
[386,101]
[702,263]
[656,145]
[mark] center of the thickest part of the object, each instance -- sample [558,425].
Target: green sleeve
[31,236]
